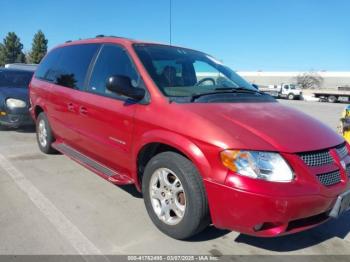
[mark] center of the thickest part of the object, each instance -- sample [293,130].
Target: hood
[14,92]
[262,126]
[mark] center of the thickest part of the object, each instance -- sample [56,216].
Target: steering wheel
[200,82]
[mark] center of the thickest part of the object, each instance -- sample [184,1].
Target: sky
[247,35]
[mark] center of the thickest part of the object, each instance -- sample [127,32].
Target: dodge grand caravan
[201,144]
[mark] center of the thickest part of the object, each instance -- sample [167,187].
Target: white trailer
[333,96]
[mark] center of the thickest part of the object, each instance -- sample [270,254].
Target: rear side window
[67,66]
[112,60]
[72,65]
[45,69]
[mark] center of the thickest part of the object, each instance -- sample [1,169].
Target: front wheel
[174,195]
[291,96]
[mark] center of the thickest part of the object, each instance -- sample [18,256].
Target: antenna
[170,21]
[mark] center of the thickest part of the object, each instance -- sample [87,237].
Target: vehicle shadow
[209,233]
[4,128]
[333,228]
[131,189]
[26,129]
[23,129]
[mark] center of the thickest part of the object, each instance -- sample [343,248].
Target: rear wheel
[174,195]
[44,134]
[332,99]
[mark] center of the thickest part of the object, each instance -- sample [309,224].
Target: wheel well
[37,111]
[149,151]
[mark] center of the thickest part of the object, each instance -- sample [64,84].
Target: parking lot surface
[52,205]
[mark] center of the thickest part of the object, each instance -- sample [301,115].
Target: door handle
[70,107]
[83,110]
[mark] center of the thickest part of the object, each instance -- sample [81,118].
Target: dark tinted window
[47,64]
[15,78]
[67,66]
[72,65]
[112,60]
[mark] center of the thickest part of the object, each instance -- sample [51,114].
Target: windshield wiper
[226,90]
[238,90]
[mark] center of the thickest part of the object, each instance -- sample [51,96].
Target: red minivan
[202,144]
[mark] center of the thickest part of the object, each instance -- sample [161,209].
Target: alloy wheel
[167,196]
[42,133]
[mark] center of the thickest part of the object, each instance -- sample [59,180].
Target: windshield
[294,87]
[180,72]
[15,78]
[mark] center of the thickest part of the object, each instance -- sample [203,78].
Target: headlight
[15,103]
[259,165]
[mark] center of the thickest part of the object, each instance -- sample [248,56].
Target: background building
[331,80]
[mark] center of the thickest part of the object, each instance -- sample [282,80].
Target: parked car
[200,143]
[14,97]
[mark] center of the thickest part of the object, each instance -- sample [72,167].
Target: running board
[107,173]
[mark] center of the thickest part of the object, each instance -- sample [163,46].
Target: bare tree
[309,80]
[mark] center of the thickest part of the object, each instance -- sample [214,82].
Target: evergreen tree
[39,48]
[11,50]
[2,57]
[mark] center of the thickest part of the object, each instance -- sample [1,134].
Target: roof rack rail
[99,36]
[68,41]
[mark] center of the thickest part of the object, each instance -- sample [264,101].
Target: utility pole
[170,21]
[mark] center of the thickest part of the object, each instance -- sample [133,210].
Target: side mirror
[255,86]
[121,85]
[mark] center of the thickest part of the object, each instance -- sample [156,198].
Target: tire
[290,96]
[195,216]
[332,99]
[44,135]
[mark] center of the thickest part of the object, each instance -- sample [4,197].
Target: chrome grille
[329,179]
[318,158]
[342,151]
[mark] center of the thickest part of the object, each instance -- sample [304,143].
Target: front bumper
[15,120]
[269,209]
[264,215]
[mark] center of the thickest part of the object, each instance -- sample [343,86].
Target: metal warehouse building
[331,80]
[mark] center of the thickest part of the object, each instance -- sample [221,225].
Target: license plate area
[341,205]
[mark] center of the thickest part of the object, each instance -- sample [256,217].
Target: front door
[107,118]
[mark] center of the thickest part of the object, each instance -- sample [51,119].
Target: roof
[22,66]
[2,69]
[103,39]
[114,39]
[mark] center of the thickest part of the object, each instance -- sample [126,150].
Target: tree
[39,48]
[11,50]
[310,80]
[2,55]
